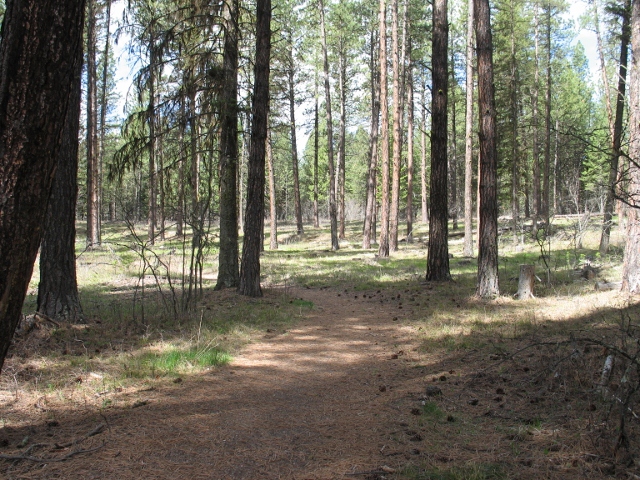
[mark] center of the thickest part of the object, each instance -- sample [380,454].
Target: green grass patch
[175,361]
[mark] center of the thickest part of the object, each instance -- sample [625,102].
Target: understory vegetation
[569,355]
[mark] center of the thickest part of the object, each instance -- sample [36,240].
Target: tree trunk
[250,267]
[546,206]
[467,249]
[273,214]
[526,281]
[294,145]
[104,105]
[617,132]
[410,134]
[631,264]
[369,217]
[453,167]
[333,214]
[397,129]
[513,113]
[423,160]
[537,191]
[93,182]
[438,254]
[341,177]
[488,285]
[40,53]
[228,256]
[383,244]
[151,118]
[58,288]
[316,151]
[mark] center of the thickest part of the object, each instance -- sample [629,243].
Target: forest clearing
[349,366]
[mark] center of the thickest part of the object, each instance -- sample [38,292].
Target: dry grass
[329,372]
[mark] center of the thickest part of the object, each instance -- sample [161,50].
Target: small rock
[473,401]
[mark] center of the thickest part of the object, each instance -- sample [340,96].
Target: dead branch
[50,460]
[93,432]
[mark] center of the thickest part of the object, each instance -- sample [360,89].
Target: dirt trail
[318,401]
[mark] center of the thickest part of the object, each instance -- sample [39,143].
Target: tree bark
[546,180]
[228,256]
[369,217]
[488,285]
[333,213]
[58,288]
[397,129]
[423,160]
[104,105]
[410,134]
[39,55]
[294,145]
[537,190]
[316,150]
[631,264]
[616,139]
[526,281]
[93,182]
[273,214]
[250,267]
[341,176]
[467,249]
[438,254]
[383,244]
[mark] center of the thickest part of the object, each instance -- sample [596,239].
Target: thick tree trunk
[467,249]
[93,182]
[488,285]
[631,265]
[383,244]
[333,211]
[228,256]
[39,56]
[617,132]
[58,288]
[438,254]
[273,213]
[370,209]
[250,267]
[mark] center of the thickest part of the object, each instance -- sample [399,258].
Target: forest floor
[397,380]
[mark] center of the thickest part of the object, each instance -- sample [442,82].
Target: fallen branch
[50,460]
[93,432]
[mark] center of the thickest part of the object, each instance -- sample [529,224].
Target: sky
[124,72]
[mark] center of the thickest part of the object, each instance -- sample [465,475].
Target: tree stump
[525,282]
